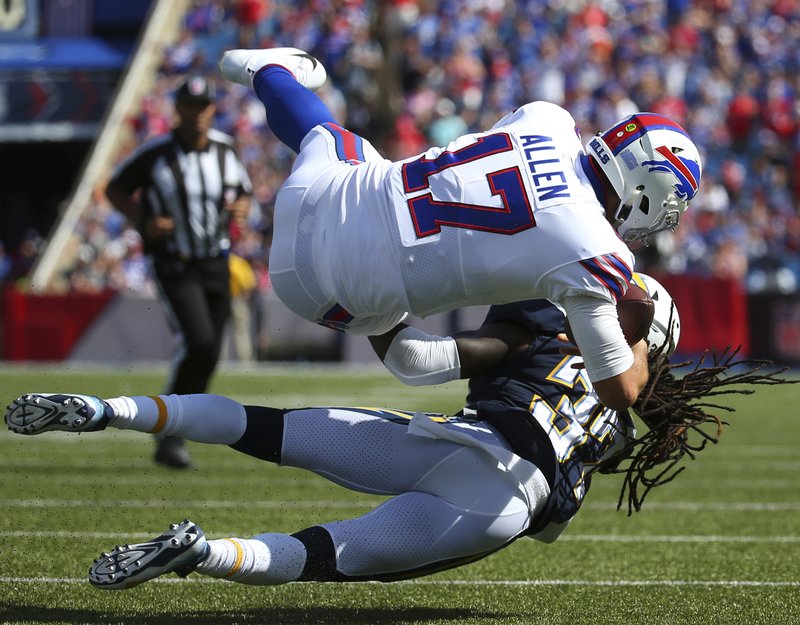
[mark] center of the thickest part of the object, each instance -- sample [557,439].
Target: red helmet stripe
[630,129]
[672,158]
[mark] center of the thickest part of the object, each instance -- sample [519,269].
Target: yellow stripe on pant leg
[239,557]
[162,414]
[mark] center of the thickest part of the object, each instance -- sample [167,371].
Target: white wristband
[417,358]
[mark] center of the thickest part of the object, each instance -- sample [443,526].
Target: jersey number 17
[429,214]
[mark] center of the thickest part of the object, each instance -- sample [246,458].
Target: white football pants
[456,492]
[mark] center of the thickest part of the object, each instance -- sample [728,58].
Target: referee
[181,191]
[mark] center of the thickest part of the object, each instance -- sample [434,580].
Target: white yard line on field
[608,538]
[691,506]
[677,506]
[463,582]
[269,478]
[277,504]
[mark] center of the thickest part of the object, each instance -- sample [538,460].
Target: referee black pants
[198,302]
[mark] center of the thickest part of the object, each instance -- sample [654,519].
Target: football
[635,310]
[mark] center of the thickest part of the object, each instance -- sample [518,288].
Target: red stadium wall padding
[713,313]
[45,327]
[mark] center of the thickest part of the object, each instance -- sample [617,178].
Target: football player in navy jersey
[542,402]
[517,461]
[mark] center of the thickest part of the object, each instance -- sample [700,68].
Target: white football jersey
[494,217]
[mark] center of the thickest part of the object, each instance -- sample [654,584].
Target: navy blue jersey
[548,410]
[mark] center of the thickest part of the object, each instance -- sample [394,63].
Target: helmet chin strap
[669,221]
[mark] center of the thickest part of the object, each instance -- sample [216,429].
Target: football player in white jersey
[517,461]
[518,212]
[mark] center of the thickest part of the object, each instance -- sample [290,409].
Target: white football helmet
[665,331]
[655,170]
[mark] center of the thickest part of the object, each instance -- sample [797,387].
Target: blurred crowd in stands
[412,73]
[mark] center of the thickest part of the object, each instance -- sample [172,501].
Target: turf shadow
[10,613]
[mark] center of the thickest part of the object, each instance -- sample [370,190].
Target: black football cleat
[36,413]
[178,550]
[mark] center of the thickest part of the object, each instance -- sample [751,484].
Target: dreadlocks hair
[680,417]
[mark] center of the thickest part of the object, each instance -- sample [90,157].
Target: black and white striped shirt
[191,187]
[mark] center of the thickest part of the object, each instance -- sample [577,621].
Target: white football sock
[264,560]
[201,418]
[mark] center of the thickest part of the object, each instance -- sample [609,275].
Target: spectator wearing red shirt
[248,15]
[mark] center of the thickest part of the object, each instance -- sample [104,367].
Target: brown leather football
[635,310]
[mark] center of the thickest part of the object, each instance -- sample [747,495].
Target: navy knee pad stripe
[320,556]
[263,436]
[321,561]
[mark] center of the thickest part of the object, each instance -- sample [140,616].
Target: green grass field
[719,545]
